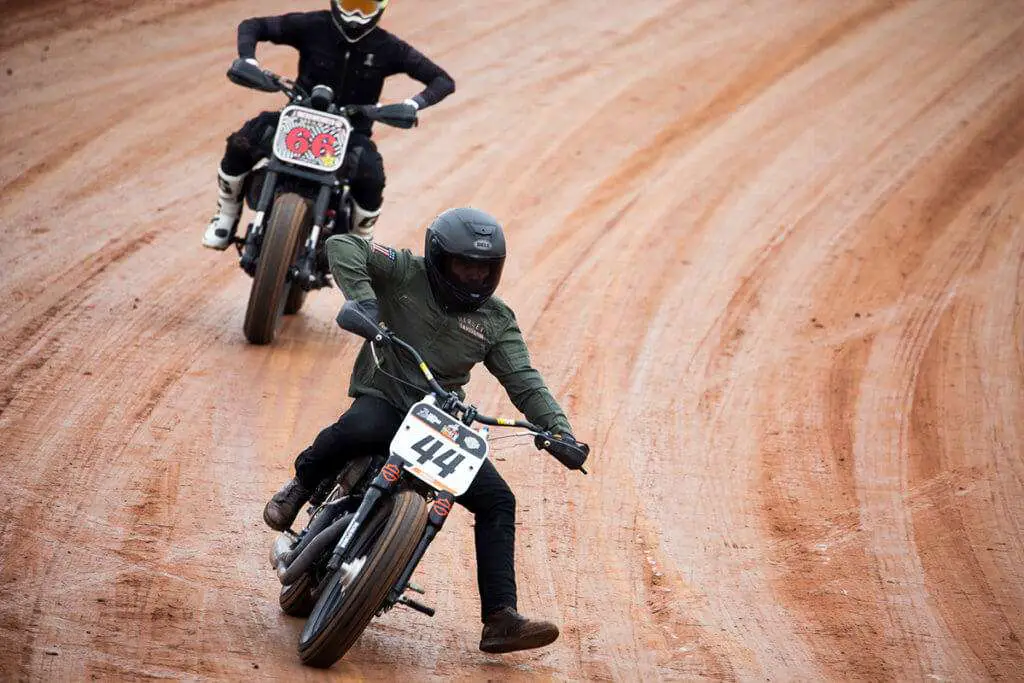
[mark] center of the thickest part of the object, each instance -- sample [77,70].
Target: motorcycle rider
[443,304]
[342,48]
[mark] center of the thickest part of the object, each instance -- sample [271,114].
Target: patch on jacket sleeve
[382,250]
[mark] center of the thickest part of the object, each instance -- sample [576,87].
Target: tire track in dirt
[767,68]
[145,391]
[859,640]
[882,511]
[668,294]
[25,331]
[955,541]
[35,21]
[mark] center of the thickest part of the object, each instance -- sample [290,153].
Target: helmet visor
[359,11]
[472,276]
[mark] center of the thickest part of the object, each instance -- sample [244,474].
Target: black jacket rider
[355,71]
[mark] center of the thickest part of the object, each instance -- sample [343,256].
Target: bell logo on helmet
[482,244]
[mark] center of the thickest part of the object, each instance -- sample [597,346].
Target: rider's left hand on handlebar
[565,437]
[566,449]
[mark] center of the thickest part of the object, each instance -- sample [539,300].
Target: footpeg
[419,607]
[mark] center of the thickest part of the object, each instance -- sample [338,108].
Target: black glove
[349,320]
[541,439]
[566,449]
[370,309]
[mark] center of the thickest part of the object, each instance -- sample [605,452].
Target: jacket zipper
[344,73]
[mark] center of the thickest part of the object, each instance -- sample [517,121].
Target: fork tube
[435,520]
[382,484]
[251,248]
[323,198]
[307,261]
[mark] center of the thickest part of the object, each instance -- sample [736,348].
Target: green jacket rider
[443,304]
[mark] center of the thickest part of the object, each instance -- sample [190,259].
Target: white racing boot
[363,221]
[222,226]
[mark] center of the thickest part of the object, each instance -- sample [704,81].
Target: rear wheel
[297,599]
[286,231]
[355,592]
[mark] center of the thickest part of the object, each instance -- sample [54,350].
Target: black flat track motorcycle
[299,196]
[369,528]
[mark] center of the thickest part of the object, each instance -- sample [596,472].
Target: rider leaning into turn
[442,304]
[343,49]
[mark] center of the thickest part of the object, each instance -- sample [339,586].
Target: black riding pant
[253,142]
[366,428]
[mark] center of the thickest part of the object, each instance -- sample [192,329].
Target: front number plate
[311,138]
[438,449]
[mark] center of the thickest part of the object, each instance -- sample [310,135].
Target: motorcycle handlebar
[250,75]
[354,318]
[572,455]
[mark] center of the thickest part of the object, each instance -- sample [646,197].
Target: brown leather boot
[507,631]
[284,507]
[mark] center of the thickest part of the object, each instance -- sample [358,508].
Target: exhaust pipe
[283,545]
[288,545]
[289,572]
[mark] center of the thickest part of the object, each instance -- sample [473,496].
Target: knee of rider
[238,156]
[501,507]
[367,193]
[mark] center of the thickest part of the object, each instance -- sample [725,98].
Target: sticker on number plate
[310,138]
[439,449]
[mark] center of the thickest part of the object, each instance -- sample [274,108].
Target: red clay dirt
[769,254]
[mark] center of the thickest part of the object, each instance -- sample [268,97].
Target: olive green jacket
[450,343]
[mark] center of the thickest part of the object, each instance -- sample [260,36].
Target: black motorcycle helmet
[464,255]
[357,18]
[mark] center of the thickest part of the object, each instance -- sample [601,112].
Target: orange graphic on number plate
[391,472]
[442,506]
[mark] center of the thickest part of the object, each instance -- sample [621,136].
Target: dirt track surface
[769,254]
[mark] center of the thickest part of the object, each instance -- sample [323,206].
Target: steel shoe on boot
[229,208]
[507,631]
[284,506]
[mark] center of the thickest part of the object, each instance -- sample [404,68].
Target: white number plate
[311,138]
[438,449]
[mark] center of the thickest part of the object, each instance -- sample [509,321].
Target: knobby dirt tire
[286,231]
[330,633]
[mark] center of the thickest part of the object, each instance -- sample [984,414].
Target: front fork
[435,520]
[254,236]
[383,483]
[305,273]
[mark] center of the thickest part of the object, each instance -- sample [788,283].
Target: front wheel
[355,592]
[286,231]
[296,297]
